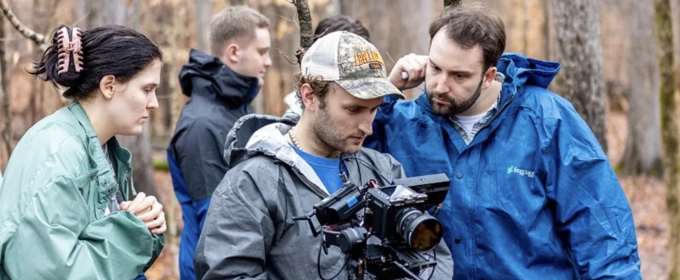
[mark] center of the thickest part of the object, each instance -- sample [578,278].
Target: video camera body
[395,214]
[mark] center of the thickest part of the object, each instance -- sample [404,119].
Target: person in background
[326,26]
[221,87]
[532,193]
[65,199]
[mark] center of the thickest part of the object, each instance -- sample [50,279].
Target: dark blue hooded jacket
[533,196]
[218,97]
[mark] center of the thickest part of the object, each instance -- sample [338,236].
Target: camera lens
[422,231]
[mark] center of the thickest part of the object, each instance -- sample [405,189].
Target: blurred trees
[579,50]
[642,153]
[397,27]
[670,127]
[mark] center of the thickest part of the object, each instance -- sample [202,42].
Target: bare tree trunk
[284,43]
[305,23]
[6,103]
[525,27]
[105,12]
[391,34]
[203,12]
[174,89]
[675,11]
[643,152]
[547,47]
[347,7]
[412,35]
[670,129]
[579,49]
[44,11]
[139,146]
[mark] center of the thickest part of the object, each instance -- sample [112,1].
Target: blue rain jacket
[533,196]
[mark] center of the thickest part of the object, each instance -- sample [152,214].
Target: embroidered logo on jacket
[521,172]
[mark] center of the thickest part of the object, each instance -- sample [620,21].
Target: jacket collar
[207,76]
[506,105]
[255,135]
[94,150]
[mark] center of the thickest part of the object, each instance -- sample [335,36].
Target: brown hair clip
[68,46]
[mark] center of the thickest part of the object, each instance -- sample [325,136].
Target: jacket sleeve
[397,168]
[378,140]
[199,155]
[62,244]
[592,213]
[237,234]
[158,244]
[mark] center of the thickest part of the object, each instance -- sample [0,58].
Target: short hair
[320,88]
[470,25]
[233,23]
[341,23]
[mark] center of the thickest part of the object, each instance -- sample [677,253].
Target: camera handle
[358,264]
[352,241]
[404,269]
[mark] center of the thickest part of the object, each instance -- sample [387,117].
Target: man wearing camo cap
[279,169]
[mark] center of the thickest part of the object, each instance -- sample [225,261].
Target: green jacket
[52,200]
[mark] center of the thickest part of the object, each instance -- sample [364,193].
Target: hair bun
[68,45]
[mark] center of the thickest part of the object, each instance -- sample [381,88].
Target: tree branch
[36,37]
[452,3]
[305,19]
[291,61]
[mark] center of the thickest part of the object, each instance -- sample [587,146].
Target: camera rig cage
[400,221]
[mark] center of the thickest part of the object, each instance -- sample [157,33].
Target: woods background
[607,48]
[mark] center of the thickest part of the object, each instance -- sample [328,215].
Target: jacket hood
[254,135]
[261,135]
[207,75]
[520,70]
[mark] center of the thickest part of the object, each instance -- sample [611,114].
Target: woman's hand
[149,210]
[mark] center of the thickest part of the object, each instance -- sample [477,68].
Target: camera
[395,214]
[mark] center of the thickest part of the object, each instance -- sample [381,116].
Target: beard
[454,107]
[329,134]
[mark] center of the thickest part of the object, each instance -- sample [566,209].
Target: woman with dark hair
[65,199]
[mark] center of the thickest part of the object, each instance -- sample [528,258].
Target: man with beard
[279,169]
[532,194]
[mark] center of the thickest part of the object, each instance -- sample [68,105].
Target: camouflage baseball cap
[352,62]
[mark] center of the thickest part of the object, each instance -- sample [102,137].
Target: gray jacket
[249,231]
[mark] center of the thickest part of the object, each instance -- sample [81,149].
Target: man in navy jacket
[221,87]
